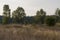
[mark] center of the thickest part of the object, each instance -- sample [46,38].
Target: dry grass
[28,32]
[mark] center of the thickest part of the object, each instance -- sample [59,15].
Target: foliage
[40,16]
[18,14]
[6,14]
[5,20]
[57,13]
[50,21]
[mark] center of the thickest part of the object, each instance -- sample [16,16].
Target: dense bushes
[51,21]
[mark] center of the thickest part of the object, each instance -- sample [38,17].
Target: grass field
[29,32]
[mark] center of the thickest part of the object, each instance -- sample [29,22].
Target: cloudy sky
[31,6]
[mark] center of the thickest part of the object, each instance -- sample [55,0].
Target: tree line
[19,17]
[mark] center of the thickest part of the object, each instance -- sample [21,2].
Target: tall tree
[6,14]
[18,14]
[57,13]
[40,15]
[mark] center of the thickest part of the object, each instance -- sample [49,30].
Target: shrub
[50,21]
[5,20]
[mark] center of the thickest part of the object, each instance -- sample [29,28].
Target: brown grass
[28,32]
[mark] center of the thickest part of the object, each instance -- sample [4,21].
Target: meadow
[29,32]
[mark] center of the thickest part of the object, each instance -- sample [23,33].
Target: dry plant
[28,32]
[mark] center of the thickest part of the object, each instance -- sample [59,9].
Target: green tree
[6,14]
[40,16]
[18,14]
[37,17]
[57,13]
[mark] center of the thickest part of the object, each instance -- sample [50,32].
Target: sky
[31,6]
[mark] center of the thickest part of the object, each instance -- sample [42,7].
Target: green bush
[5,20]
[50,21]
